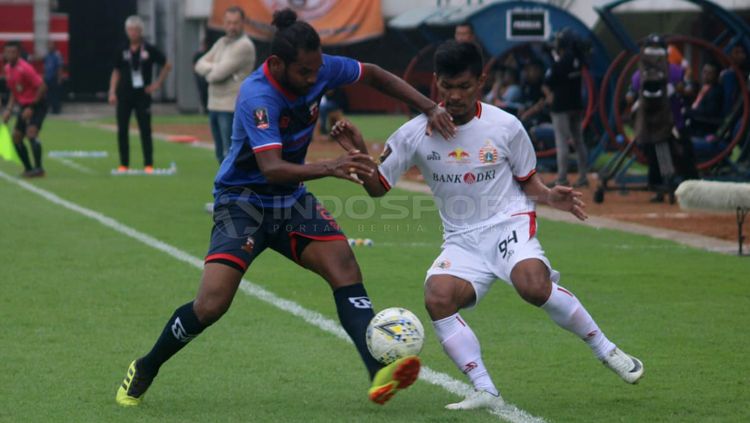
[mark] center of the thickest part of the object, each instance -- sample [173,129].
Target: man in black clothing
[130,87]
[563,82]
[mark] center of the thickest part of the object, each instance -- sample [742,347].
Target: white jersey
[474,176]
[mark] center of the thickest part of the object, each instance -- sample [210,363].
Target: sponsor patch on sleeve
[261,118]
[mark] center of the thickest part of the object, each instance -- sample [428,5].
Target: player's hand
[348,136]
[351,166]
[27,113]
[6,115]
[440,120]
[564,198]
[152,88]
[112,98]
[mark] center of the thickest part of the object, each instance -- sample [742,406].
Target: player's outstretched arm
[351,166]
[559,197]
[382,80]
[350,139]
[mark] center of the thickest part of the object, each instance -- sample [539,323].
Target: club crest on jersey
[434,156]
[260,115]
[459,155]
[442,264]
[488,153]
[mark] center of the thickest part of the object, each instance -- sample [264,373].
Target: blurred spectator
[705,113]
[509,97]
[730,84]
[464,33]
[533,105]
[728,77]
[229,61]
[200,81]
[53,77]
[563,82]
[130,87]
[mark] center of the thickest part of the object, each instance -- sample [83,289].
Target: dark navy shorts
[242,230]
[38,113]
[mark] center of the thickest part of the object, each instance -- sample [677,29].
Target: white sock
[565,309]
[462,346]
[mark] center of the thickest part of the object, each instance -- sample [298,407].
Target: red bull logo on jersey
[488,153]
[459,155]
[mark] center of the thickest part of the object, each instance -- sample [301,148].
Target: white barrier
[717,196]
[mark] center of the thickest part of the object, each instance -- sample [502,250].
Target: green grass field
[80,301]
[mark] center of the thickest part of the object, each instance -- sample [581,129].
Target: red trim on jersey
[361,72]
[234,259]
[293,241]
[559,288]
[525,178]
[532,222]
[384,181]
[266,147]
[267,72]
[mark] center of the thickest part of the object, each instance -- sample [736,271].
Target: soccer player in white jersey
[485,185]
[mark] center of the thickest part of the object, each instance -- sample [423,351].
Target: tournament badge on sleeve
[261,118]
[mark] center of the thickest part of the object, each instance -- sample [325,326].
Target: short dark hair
[467,24]
[235,9]
[712,63]
[453,58]
[13,43]
[292,35]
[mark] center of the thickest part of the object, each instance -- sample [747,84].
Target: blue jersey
[267,116]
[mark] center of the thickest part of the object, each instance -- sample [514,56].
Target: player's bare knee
[533,288]
[531,280]
[209,310]
[439,300]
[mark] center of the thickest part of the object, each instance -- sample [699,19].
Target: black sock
[23,154]
[181,328]
[36,149]
[355,313]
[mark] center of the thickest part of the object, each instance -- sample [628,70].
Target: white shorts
[484,255]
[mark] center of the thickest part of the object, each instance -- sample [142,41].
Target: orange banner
[337,21]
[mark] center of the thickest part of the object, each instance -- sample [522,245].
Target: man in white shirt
[485,186]
[225,66]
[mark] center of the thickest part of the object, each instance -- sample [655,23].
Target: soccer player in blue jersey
[261,201]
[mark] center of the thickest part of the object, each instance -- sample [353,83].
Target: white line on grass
[509,412]
[73,165]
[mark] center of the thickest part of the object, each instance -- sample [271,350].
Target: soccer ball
[394,333]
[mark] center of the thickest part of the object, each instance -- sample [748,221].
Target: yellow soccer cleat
[132,388]
[394,377]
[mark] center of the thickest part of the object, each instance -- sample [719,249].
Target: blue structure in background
[490,23]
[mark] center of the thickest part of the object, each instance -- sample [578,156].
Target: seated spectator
[533,111]
[506,92]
